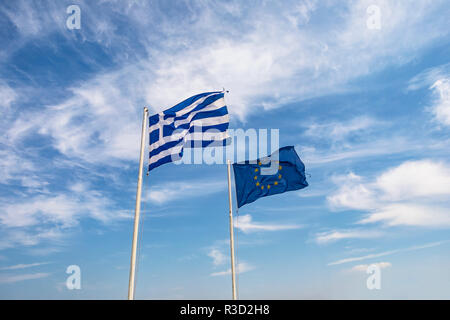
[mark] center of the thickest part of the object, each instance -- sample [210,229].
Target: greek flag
[199,121]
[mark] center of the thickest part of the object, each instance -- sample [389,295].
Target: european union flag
[280,172]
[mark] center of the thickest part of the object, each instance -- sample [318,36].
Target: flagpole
[137,210]
[233,274]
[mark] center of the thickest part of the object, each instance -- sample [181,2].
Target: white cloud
[40,218]
[245,224]
[428,77]
[24,266]
[242,267]
[436,79]
[218,257]
[363,267]
[339,130]
[263,65]
[22,277]
[100,123]
[12,166]
[414,193]
[268,60]
[414,179]
[301,13]
[335,235]
[180,190]
[39,20]
[18,168]
[57,209]
[7,96]
[14,237]
[27,20]
[352,193]
[387,253]
[45,250]
[352,151]
[410,215]
[63,210]
[441,107]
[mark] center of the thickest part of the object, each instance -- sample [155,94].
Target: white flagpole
[233,274]
[137,210]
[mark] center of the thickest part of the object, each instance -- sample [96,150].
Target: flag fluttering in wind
[280,172]
[199,121]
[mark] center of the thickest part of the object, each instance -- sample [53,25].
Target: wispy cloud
[62,210]
[364,267]
[358,151]
[436,79]
[245,224]
[174,191]
[428,77]
[282,55]
[45,250]
[410,215]
[259,63]
[83,125]
[14,168]
[44,217]
[7,96]
[339,130]
[387,253]
[242,267]
[24,266]
[15,237]
[336,235]
[218,257]
[22,277]
[441,107]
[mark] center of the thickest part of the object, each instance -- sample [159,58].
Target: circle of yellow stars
[269,185]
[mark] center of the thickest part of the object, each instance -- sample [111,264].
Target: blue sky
[368,110]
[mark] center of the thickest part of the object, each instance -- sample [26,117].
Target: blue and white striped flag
[198,121]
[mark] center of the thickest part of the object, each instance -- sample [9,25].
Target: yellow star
[259,163]
[262,187]
[257,184]
[268,186]
[280,167]
[279,176]
[256,170]
[256,177]
[275,183]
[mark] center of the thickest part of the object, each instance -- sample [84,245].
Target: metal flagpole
[233,274]
[137,210]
